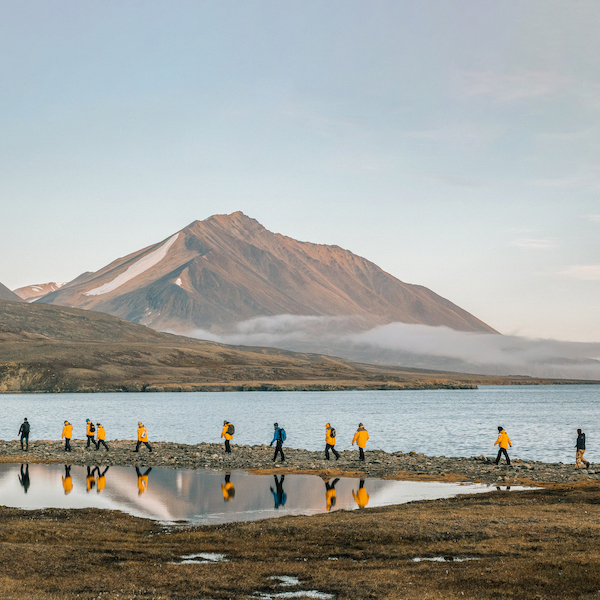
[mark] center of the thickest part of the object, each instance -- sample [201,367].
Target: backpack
[230,429]
[25,429]
[282,434]
[332,432]
[92,428]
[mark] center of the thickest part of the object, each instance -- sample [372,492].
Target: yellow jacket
[142,484]
[90,480]
[88,428]
[503,440]
[67,431]
[224,433]
[329,439]
[100,483]
[67,484]
[100,433]
[330,497]
[226,489]
[142,434]
[361,497]
[360,437]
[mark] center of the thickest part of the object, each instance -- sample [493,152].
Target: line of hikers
[96,436]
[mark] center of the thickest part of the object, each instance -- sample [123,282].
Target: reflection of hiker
[279,496]
[90,480]
[360,437]
[24,433]
[100,437]
[89,432]
[330,442]
[361,497]
[330,496]
[580,445]
[67,433]
[24,478]
[100,479]
[279,438]
[228,489]
[503,443]
[227,433]
[142,480]
[67,480]
[142,437]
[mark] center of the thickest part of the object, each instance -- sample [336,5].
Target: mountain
[34,292]
[47,348]
[6,294]
[228,268]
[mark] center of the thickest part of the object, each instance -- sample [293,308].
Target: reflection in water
[227,489]
[330,495]
[24,478]
[67,480]
[361,497]
[142,480]
[279,496]
[202,496]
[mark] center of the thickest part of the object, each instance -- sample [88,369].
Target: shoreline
[378,464]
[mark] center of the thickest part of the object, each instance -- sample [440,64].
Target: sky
[455,143]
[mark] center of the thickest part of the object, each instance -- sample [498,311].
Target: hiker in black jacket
[24,433]
[580,445]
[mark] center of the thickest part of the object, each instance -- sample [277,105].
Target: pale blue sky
[454,143]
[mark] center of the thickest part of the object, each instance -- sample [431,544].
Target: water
[541,420]
[205,497]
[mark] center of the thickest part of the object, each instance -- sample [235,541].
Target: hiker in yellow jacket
[90,480]
[142,437]
[89,432]
[330,494]
[503,442]
[100,479]
[330,434]
[142,480]
[361,497]
[360,437]
[100,436]
[67,480]
[227,433]
[67,433]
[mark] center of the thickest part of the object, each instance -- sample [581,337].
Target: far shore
[397,465]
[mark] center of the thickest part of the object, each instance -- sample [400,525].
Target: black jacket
[24,429]
[580,441]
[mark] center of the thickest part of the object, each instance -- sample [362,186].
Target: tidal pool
[201,497]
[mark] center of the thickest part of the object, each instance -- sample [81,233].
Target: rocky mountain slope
[6,294]
[34,292]
[229,268]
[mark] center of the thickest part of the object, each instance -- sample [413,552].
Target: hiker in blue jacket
[279,438]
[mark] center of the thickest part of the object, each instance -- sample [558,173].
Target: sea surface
[204,496]
[542,421]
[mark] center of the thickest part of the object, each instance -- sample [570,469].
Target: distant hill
[229,268]
[6,294]
[52,349]
[34,292]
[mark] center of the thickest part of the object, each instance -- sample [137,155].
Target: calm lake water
[205,497]
[541,420]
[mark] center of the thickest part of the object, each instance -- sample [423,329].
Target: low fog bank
[417,346]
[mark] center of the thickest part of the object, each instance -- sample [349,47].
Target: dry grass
[537,544]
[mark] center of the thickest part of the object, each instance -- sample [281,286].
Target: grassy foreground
[534,544]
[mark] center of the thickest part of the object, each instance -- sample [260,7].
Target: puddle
[443,559]
[203,497]
[299,594]
[285,580]
[202,558]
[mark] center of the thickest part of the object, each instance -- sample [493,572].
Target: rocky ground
[396,465]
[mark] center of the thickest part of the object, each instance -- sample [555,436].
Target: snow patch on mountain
[137,268]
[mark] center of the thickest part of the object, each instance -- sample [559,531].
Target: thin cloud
[510,87]
[594,218]
[535,243]
[582,272]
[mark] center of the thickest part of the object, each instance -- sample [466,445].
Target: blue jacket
[277,436]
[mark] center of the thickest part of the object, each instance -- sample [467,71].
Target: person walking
[503,442]
[361,497]
[24,478]
[580,445]
[330,434]
[67,433]
[142,437]
[67,480]
[227,433]
[90,480]
[330,493]
[142,480]
[360,437]
[279,496]
[89,432]
[100,436]
[227,489]
[100,479]
[24,433]
[278,437]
